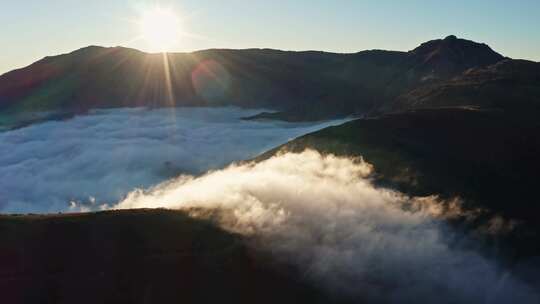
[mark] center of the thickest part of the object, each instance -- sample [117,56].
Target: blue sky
[33,29]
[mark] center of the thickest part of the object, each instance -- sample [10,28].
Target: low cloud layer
[324,214]
[96,159]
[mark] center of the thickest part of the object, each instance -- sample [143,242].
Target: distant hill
[302,85]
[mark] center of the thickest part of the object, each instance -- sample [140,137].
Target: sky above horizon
[33,29]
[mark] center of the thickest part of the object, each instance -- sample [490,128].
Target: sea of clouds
[96,159]
[323,213]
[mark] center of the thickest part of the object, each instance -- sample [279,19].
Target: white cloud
[324,214]
[98,158]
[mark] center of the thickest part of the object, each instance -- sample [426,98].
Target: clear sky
[32,29]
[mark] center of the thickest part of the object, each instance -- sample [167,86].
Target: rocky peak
[452,55]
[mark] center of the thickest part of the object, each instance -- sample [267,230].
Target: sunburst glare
[161,29]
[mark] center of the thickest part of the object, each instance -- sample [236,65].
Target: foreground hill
[137,256]
[305,85]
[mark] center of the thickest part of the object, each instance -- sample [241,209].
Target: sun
[161,29]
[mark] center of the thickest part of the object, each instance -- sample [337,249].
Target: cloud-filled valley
[98,158]
[321,213]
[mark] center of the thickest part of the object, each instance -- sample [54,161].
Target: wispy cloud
[323,213]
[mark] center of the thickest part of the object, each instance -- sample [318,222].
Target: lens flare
[211,81]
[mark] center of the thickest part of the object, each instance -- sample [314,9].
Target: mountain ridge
[299,85]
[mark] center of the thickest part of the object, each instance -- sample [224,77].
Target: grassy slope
[136,256]
[489,158]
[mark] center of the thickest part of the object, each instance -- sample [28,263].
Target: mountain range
[308,85]
[450,118]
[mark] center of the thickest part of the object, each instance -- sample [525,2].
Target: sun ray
[168,83]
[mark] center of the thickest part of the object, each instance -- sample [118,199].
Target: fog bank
[98,158]
[323,214]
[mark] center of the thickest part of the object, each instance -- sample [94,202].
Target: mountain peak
[453,55]
[453,42]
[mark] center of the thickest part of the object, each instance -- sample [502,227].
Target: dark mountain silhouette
[440,59]
[451,56]
[302,85]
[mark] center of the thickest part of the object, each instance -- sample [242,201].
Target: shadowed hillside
[488,158]
[137,256]
[513,85]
